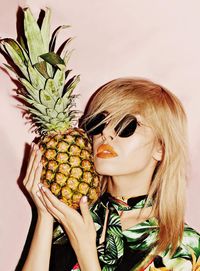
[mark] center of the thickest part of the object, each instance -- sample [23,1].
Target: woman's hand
[79,228]
[32,179]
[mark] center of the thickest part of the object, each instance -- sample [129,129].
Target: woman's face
[117,156]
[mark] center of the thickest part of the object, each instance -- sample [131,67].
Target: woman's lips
[106,151]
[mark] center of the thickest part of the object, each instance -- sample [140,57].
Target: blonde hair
[165,114]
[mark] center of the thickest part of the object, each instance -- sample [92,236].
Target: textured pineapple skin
[68,168]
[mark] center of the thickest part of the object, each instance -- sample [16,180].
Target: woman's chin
[108,167]
[106,170]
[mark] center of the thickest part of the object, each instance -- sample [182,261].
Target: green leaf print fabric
[133,249]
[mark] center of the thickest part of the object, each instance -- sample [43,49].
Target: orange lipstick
[106,151]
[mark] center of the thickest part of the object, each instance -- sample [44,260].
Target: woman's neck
[129,185]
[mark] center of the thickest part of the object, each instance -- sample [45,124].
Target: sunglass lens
[93,127]
[129,129]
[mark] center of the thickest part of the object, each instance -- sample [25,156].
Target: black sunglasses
[95,125]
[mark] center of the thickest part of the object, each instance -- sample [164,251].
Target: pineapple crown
[43,73]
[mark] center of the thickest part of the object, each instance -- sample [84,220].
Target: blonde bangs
[120,97]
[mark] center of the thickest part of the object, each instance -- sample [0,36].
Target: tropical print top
[134,248]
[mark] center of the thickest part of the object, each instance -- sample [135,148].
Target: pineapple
[68,169]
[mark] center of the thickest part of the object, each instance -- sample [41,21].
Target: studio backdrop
[155,39]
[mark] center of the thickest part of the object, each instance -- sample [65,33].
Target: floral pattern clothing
[133,248]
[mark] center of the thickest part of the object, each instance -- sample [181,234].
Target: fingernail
[35,146]
[38,193]
[84,199]
[44,188]
[40,185]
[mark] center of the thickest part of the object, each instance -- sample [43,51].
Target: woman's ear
[158,151]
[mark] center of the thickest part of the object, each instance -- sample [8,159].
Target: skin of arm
[39,252]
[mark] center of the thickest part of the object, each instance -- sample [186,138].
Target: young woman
[139,138]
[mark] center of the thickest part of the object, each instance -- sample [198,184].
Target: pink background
[156,39]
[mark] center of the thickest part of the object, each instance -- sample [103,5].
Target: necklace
[123,198]
[127,203]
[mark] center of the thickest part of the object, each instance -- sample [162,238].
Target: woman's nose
[108,133]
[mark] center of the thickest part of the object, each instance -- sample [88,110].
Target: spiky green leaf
[22,43]
[28,99]
[52,58]
[63,48]
[51,113]
[46,99]
[34,93]
[50,88]
[54,121]
[33,36]
[59,79]
[54,36]
[36,79]
[67,56]
[42,68]
[18,49]
[59,106]
[45,32]
[39,116]
[45,29]
[18,61]
[70,86]
[61,116]
[9,67]
[67,73]
[41,108]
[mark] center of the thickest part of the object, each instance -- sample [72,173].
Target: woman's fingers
[53,205]
[35,171]
[30,163]
[32,179]
[85,211]
[40,204]
[40,197]
[37,176]
[70,218]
